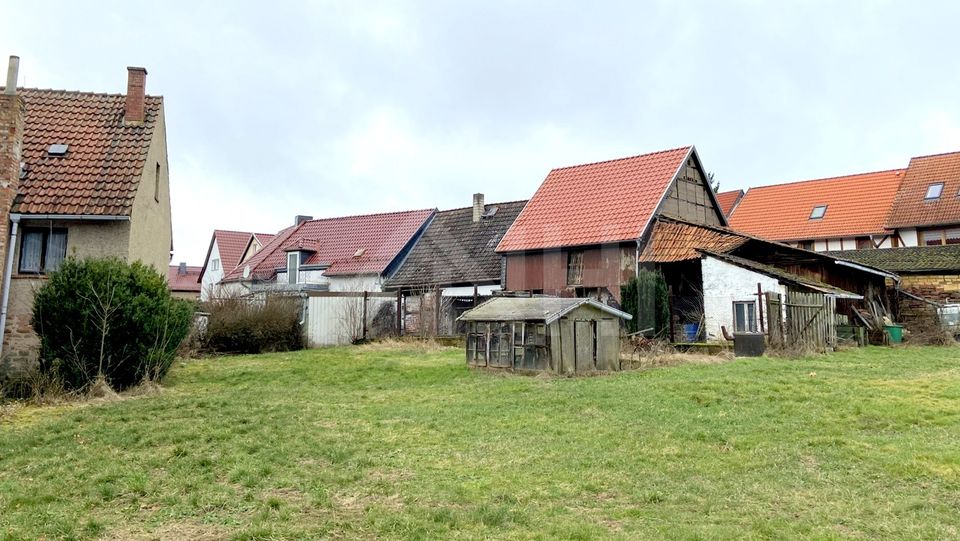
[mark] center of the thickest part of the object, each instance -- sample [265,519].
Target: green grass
[405,443]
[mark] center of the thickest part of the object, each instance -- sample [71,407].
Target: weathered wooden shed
[561,335]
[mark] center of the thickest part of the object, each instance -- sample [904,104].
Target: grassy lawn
[404,443]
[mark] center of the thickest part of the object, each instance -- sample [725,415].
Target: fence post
[364,315]
[760,306]
[399,313]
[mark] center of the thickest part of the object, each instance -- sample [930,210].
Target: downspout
[7,273]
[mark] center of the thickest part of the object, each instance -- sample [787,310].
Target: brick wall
[11,145]
[936,287]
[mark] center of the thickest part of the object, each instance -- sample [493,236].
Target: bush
[645,298]
[246,325]
[109,318]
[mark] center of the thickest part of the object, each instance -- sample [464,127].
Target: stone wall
[942,288]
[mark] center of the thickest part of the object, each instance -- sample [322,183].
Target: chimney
[183,268]
[13,69]
[477,207]
[300,218]
[136,87]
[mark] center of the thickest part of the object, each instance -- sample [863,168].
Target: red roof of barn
[911,208]
[856,205]
[675,240]
[595,203]
[728,201]
[101,171]
[348,245]
[190,281]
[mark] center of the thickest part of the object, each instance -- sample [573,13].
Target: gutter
[871,270]
[7,273]
[69,217]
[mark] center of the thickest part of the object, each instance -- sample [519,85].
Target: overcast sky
[334,108]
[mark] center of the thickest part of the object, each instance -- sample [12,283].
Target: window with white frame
[215,264]
[293,267]
[42,249]
[934,191]
[744,316]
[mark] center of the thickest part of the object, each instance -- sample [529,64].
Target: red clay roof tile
[728,201]
[856,205]
[101,171]
[585,204]
[183,282]
[910,208]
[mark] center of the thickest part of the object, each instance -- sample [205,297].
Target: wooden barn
[561,335]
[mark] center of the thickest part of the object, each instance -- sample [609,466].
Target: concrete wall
[151,233]
[724,284]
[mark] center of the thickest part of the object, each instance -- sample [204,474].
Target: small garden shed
[561,335]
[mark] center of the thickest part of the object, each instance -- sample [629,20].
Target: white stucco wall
[909,237]
[724,284]
[210,277]
[336,283]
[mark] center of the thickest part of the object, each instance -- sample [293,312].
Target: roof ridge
[78,92]
[486,205]
[935,155]
[822,179]
[368,215]
[687,148]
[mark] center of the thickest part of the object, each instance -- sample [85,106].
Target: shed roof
[595,203]
[783,276]
[911,208]
[101,171]
[547,309]
[456,250]
[674,240]
[855,205]
[913,259]
[189,281]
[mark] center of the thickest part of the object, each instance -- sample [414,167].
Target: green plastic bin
[895,332]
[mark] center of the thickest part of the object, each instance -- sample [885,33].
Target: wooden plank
[584,345]
[553,335]
[568,354]
[608,344]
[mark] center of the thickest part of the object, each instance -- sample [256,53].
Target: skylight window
[818,212]
[58,150]
[360,252]
[934,191]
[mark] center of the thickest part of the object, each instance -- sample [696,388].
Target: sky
[353,107]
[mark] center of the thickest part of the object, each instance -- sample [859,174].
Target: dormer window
[360,252]
[818,212]
[934,191]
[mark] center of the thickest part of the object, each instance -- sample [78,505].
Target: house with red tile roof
[581,232]
[926,210]
[838,213]
[729,201]
[590,228]
[184,281]
[227,250]
[83,174]
[349,253]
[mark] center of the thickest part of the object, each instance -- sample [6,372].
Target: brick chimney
[477,206]
[136,90]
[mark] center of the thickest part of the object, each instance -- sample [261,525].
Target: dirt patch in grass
[630,362]
[427,345]
[187,529]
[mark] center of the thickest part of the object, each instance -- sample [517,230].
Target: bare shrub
[238,324]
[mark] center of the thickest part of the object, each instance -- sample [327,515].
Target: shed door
[585,345]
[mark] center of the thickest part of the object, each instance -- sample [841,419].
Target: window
[938,237]
[575,267]
[156,183]
[744,316]
[215,264]
[818,212]
[293,267]
[864,243]
[42,250]
[934,191]
[805,245]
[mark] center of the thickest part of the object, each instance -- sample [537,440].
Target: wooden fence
[802,320]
